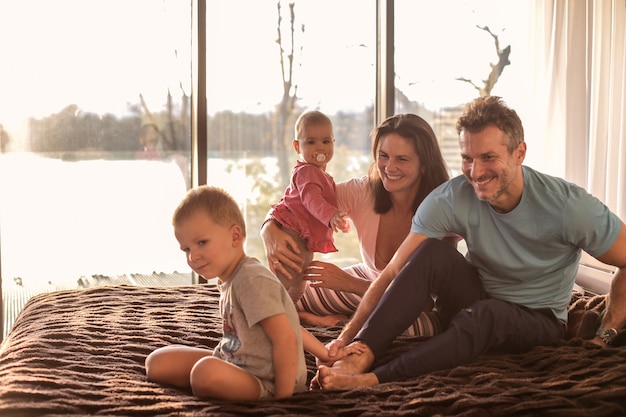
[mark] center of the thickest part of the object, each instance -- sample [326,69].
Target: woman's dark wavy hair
[421,135]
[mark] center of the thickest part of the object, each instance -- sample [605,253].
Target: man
[524,232]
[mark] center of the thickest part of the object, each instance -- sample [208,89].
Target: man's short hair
[492,110]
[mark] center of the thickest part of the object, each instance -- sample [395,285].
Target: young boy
[261,353]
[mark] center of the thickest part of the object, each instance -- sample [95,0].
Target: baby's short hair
[214,201]
[310,117]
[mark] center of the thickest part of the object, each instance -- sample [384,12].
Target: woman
[407,165]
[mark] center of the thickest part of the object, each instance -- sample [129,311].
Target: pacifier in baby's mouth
[320,157]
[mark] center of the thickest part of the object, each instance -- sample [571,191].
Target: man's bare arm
[379,286]
[615,317]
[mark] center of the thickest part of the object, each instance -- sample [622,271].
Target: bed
[81,352]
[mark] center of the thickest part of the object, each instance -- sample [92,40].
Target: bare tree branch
[292,18]
[145,108]
[286,107]
[279,41]
[496,69]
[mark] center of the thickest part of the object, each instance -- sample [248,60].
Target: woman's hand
[327,275]
[281,249]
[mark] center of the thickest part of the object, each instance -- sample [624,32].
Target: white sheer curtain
[580,93]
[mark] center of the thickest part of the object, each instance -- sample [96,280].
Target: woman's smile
[393,177]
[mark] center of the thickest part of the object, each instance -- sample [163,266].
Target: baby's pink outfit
[308,205]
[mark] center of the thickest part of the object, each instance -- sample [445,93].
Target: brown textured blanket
[81,352]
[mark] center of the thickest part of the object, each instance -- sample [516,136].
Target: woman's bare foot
[326,321]
[331,379]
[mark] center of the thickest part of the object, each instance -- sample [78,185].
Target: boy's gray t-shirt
[250,295]
[530,255]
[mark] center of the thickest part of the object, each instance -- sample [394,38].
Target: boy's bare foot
[331,379]
[327,321]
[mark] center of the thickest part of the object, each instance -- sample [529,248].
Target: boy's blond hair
[215,202]
[307,118]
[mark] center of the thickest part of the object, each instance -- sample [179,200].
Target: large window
[97,126]
[96,105]
[292,57]
[95,123]
[449,52]
[559,64]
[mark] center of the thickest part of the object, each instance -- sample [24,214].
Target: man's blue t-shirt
[529,255]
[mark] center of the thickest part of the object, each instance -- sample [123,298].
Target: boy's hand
[356,348]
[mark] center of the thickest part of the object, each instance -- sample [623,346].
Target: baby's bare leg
[296,285]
